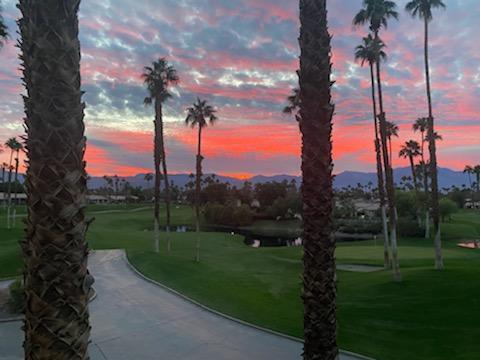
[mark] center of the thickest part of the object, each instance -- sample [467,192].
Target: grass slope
[430,315]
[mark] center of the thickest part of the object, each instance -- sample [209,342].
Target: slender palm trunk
[389,180]
[165,178]
[414,174]
[157,155]
[425,189]
[15,196]
[433,164]
[381,184]
[316,112]
[197,192]
[9,190]
[57,283]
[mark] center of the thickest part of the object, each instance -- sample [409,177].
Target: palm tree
[157,79]
[423,9]
[469,171]
[200,114]
[421,125]
[15,200]
[369,51]
[376,13]
[410,150]
[13,145]
[392,130]
[55,250]
[148,178]
[293,103]
[315,119]
[476,171]
[3,28]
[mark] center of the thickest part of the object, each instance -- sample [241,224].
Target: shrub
[16,301]
[358,226]
[447,208]
[228,215]
[407,227]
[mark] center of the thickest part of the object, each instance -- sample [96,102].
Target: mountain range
[446,178]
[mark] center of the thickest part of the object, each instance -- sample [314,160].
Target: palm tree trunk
[9,190]
[389,180]
[433,164]
[15,199]
[425,188]
[165,178]
[414,175]
[316,112]
[57,283]
[197,192]
[157,156]
[381,185]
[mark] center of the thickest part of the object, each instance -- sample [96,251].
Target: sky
[241,56]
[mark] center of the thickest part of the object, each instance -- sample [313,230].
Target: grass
[430,315]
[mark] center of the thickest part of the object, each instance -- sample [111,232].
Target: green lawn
[430,315]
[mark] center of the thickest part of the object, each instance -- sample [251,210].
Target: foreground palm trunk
[433,164]
[381,184]
[316,111]
[198,189]
[390,186]
[157,155]
[55,250]
[165,178]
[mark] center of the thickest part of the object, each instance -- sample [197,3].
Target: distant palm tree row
[158,78]
[15,147]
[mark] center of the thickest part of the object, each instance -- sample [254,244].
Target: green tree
[447,209]
[315,120]
[200,115]
[423,10]
[158,78]
[370,51]
[376,13]
[57,283]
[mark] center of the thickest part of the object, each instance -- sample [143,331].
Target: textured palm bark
[380,181]
[165,176]
[157,156]
[433,164]
[316,111]
[390,187]
[55,249]
[198,189]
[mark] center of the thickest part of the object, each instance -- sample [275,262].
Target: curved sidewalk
[135,319]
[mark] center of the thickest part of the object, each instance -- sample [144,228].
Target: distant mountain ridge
[446,178]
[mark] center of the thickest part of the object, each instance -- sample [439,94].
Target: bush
[357,226]
[285,207]
[407,227]
[228,215]
[447,208]
[16,301]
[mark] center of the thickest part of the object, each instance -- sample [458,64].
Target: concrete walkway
[134,319]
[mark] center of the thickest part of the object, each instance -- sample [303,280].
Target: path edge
[218,313]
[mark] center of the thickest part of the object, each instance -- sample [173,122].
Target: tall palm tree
[158,78]
[392,131]
[423,10]
[370,51]
[421,125]
[376,13]
[316,112]
[476,171]
[469,171]
[3,28]
[410,150]
[200,115]
[55,250]
[13,144]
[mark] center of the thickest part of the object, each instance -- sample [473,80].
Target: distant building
[471,204]
[366,208]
